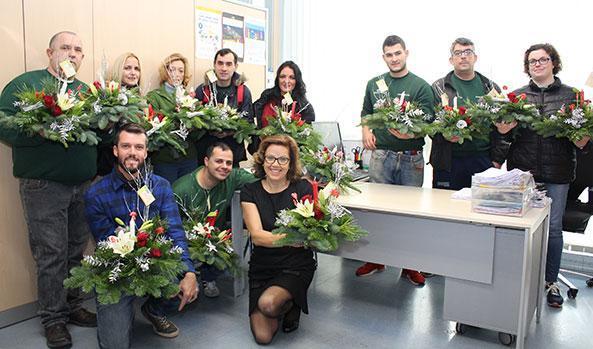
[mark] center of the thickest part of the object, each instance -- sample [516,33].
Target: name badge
[382,85]
[146,195]
[211,76]
[287,98]
[67,68]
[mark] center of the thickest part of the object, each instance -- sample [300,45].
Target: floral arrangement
[138,262]
[110,104]
[208,244]
[318,221]
[290,123]
[330,165]
[53,113]
[187,115]
[406,117]
[500,108]
[574,121]
[454,122]
[161,131]
[223,118]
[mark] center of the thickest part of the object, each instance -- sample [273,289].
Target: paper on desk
[500,178]
[463,194]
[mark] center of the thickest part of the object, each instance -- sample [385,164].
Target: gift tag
[146,195]
[382,85]
[211,76]
[68,69]
[589,81]
[444,100]
[287,98]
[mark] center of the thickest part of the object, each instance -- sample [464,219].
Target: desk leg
[542,270]
[239,241]
[525,281]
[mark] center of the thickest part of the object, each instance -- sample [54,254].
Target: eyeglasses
[270,159]
[541,61]
[466,52]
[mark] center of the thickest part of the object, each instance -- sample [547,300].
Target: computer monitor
[330,134]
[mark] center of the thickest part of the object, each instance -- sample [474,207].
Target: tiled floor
[378,311]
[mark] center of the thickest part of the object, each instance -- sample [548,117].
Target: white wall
[338,45]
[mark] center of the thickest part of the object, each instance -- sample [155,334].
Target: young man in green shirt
[397,158]
[210,188]
[454,164]
[52,182]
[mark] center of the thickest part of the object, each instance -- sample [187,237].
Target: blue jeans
[462,170]
[401,168]
[558,193]
[175,170]
[58,235]
[115,321]
[209,272]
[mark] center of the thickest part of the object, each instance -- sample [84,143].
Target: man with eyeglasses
[396,158]
[551,160]
[210,188]
[454,164]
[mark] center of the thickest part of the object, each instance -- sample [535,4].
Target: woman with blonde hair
[279,276]
[167,162]
[126,70]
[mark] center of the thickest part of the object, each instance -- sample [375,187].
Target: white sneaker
[210,289]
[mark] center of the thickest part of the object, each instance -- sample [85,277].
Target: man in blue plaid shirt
[116,196]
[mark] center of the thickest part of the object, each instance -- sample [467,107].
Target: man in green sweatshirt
[52,182]
[397,158]
[207,189]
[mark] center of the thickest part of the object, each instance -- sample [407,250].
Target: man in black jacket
[454,164]
[551,160]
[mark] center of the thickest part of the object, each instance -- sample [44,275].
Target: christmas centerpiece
[288,121]
[504,108]
[397,113]
[209,244]
[161,131]
[573,121]
[221,117]
[139,262]
[110,103]
[55,113]
[330,166]
[318,221]
[454,123]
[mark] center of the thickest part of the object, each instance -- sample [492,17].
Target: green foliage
[329,166]
[306,137]
[452,122]
[573,122]
[407,118]
[220,118]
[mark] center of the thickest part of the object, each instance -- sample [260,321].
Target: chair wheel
[590,282]
[506,338]
[572,293]
[460,328]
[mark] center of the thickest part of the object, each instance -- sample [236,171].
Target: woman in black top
[279,276]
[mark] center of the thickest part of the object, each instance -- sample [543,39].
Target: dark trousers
[462,170]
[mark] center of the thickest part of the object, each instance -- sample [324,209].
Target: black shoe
[57,336]
[291,319]
[160,324]
[83,318]
[553,296]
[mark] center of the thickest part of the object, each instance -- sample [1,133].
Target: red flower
[448,108]
[513,97]
[79,88]
[505,87]
[48,101]
[141,239]
[462,110]
[56,110]
[300,123]
[160,116]
[208,236]
[335,193]
[227,237]
[155,252]
[307,197]
[468,121]
[97,84]
[150,112]
[211,218]
[159,230]
[318,214]
[403,106]
[522,96]
[571,107]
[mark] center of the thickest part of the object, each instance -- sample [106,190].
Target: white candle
[455,103]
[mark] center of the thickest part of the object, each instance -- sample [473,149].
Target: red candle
[293,107]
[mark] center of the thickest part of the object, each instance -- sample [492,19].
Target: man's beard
[132,171]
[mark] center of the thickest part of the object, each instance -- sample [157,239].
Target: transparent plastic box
[500,200]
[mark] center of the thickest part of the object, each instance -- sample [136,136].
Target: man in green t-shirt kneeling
[207,189]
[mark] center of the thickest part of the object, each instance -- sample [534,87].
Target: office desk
[493,265]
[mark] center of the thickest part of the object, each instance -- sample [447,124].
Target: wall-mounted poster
[208,32]
[232,33]
[255,41]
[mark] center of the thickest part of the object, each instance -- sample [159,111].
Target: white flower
[284,218]
[326,193]
[461,124]
[202,229]
[553,117]
[211,247]
[123,243]
[97,107]
[65,101]
[305,209]
[123,98]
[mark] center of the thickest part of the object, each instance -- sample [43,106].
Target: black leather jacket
[550,159]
